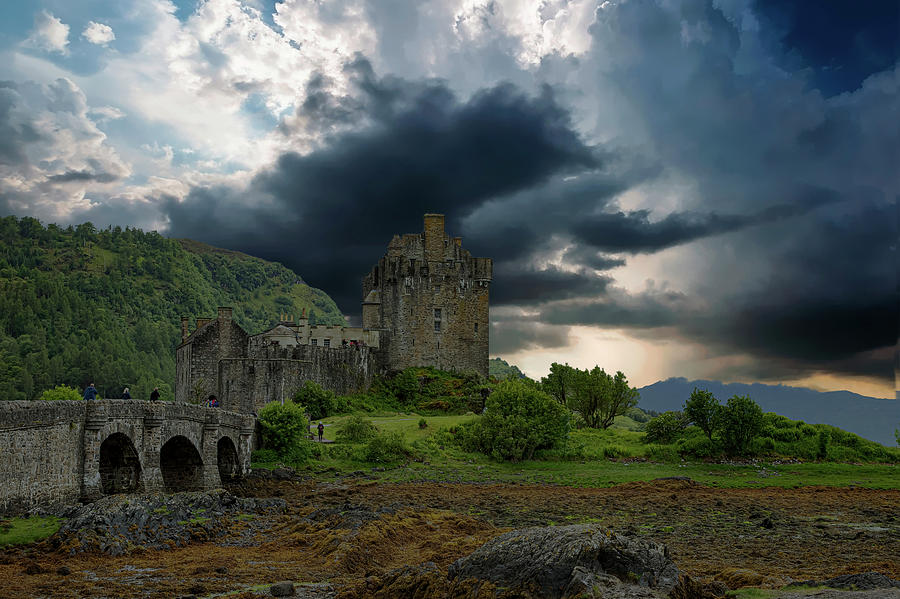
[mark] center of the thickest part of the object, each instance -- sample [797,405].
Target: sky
[697,188]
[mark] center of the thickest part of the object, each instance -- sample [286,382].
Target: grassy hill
[79,304]
[500,369]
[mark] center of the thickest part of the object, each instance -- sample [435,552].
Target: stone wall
[50,452]
[274,372]
[40,453]
[431,298]
[197,359]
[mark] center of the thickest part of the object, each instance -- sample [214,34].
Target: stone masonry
[59,452]
[429,297]
[424,304]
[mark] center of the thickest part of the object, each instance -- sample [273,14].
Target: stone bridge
[57,452]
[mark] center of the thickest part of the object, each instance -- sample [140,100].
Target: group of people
[352,343]
[90,393]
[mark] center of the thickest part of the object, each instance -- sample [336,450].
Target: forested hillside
[79,304]
[501,369]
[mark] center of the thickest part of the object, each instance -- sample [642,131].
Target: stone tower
[429,297]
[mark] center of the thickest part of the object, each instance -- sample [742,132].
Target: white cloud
[98,33]
[107,113]
[49,34]
[53,152]
[540,28]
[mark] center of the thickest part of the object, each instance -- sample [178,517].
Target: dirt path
[347,530]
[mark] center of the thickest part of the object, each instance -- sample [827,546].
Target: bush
[356,429]
[696,444]
[385,448]
[61,393]
[741,422]
[320,403]
[518,420]
[423,423]
[264,456]
[665,428]
[283,426]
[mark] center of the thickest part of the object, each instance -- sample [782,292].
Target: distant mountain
[501,369]
[868,417]
[81,304]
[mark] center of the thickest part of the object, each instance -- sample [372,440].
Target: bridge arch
[181,465]
[227,459]
[120,466]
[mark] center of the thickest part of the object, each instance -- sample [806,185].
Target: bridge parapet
[60,451]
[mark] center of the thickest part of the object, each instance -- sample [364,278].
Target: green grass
[591,458]
[19,531]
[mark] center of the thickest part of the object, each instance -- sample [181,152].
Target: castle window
[476,328]
[327,342]
[314,342]
[437,319]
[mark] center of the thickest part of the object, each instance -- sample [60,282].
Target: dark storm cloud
[527,285]
[71,176]
[587,256]
[841,41]
[330,213]
[510,336]
[634,232]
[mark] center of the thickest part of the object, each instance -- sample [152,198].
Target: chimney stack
[224,313]
[184,328]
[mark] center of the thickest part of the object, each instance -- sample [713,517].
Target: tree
[558,383]
[703,409]
[599,397]
[283,426]
[741,421]
[319,402]
[518,420]
[61,393]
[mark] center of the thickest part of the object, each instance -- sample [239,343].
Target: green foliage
[81,304]
[264,456]
[20,531]
[596,396]
[665,428]
[319,403]
[518,420]
[704,410]
[423,423]
[386,448]
[283,426]
[356,429]
[741,421]
[427,390]
[61,393]
[559,382]
[501,370]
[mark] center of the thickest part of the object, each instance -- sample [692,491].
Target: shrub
[385,448]
[741,421]
[283,426]
[423,423]
[264,456]
[356,429]
[61,393]
[665,428]
[518,420]
[697,445]
[320,403]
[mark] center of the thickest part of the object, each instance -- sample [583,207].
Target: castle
[425,303]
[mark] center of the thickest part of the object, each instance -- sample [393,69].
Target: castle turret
[429,298]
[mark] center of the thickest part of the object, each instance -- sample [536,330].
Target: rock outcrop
[554,562]
[119,524]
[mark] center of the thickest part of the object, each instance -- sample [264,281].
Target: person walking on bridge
[90,392]
[321,429]
[155,395]
[126,394]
